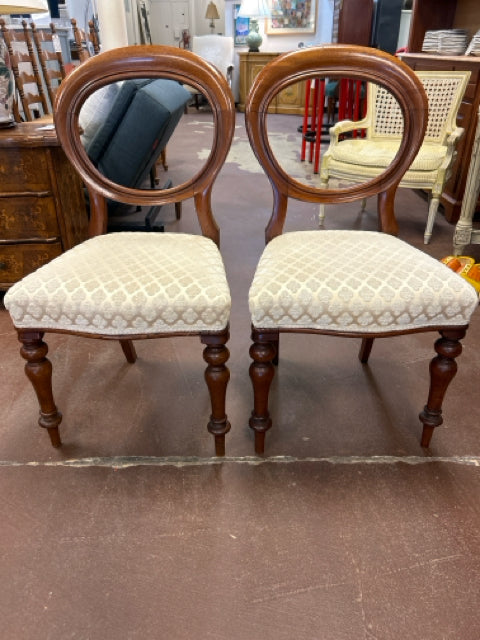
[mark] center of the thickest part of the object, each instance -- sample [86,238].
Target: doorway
[168,20]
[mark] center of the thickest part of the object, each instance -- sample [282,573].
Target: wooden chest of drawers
[42,205]
[290,100]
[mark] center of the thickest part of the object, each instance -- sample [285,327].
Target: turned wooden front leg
[39,372]
[217,376]
[442,371]
[261,371]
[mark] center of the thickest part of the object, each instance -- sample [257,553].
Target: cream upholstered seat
[127,283]
[133,285]
[351,283]
[357,159]
[300,284]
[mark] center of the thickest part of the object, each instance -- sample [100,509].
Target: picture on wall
[241,26]
[292,16]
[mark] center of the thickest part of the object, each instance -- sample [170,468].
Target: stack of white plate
[446,42]
[474,46]
[431,42]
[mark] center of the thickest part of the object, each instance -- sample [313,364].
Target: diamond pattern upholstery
[354,283]
[134,285]
[391,286]
[127,283]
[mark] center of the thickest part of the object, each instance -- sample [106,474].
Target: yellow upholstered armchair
[356,160]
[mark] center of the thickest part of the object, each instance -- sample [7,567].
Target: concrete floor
[346,530]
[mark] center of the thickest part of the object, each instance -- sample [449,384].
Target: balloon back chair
[128,286]
[355,159]
[302,285]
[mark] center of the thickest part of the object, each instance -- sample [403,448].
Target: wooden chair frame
[96,72]
[363,64]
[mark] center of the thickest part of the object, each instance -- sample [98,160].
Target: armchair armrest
[451,144]
[345,125]
[455,136]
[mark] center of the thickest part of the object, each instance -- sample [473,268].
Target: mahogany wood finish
[39,372]
[113,66]
[42,205]
[365,64]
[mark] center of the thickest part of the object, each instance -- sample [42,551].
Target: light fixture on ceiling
[254,9]
[7,82]
[212,14]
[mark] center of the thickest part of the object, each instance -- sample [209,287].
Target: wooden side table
[464,232]
[289,100]
[42,204]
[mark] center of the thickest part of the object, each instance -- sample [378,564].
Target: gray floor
[347,529]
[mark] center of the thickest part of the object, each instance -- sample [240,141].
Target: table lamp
[254,9]
[7,82]
[212,14]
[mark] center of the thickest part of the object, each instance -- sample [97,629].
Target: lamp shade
[212,12]
[24,6]
[254,9]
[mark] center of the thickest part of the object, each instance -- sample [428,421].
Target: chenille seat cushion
[127,283]
[355,281]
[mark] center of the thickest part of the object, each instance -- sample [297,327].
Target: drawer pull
[3,265]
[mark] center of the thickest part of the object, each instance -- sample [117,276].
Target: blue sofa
[128,127]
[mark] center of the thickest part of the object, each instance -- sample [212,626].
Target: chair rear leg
[263,352]
[365,349]
[128,349]
[217,376]
[39,371]
[442,371]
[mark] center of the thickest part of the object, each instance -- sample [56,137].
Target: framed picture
[292,16]
[241,26]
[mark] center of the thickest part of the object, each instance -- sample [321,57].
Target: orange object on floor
[466,267]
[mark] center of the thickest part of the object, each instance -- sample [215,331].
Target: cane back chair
[351,283]
[128,286]
[357,159]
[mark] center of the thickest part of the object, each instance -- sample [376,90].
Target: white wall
[280,43]
[201,25]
